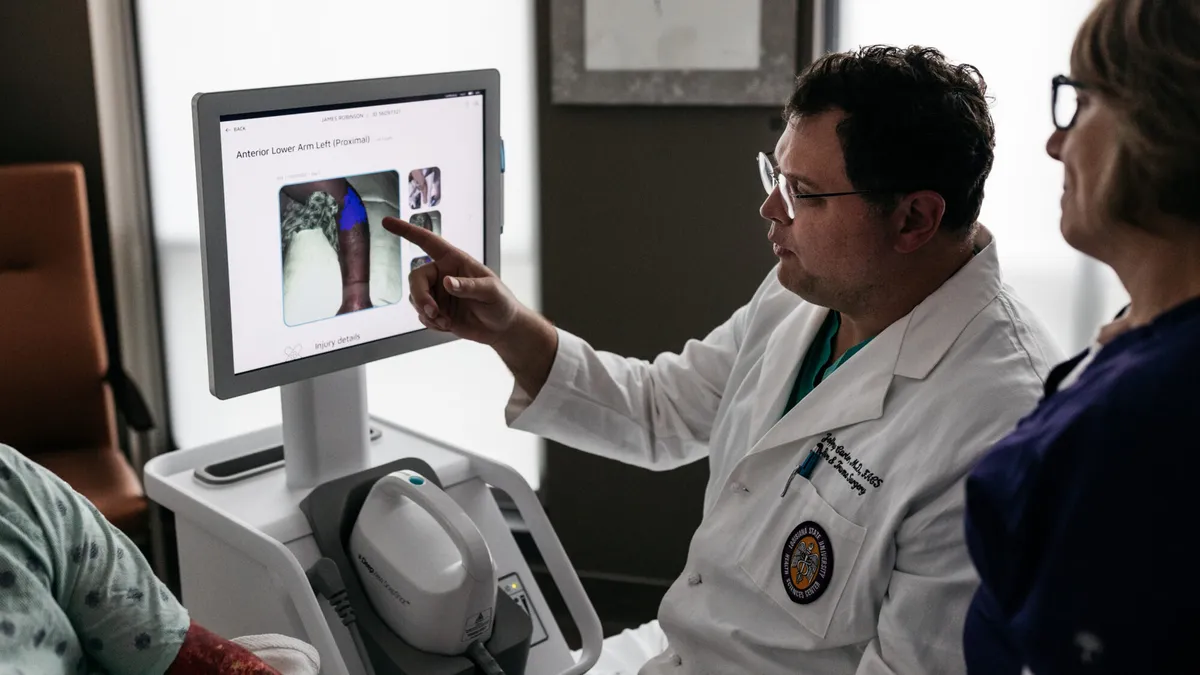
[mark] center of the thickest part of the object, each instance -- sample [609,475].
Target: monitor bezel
[207,111]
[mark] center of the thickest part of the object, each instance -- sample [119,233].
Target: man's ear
[920,216]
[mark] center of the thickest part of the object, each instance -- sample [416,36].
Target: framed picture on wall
[673,52]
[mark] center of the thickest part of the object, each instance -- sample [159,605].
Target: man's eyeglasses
[768,171]
[1064,101]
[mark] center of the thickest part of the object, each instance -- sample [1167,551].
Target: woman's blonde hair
[1143,56]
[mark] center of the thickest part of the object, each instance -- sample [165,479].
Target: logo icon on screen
[294,352]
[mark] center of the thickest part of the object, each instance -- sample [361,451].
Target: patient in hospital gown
[77,597]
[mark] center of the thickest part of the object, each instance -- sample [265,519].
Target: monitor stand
[325,427]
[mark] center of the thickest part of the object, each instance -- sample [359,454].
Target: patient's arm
[417,178]
[354,253]
[354,238]
[87,590]
[204,652]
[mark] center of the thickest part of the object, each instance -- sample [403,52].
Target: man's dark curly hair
[913,122]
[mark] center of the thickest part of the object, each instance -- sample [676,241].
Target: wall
[1070,293]
[650,236]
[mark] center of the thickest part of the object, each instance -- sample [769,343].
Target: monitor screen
[311,268]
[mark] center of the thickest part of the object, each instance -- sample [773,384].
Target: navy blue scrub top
[1083,522]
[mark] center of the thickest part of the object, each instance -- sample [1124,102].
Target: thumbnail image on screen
[429,220]
[424,188]
[337,257]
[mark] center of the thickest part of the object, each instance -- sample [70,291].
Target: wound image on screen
[429,220]
[337,257]
[424,188]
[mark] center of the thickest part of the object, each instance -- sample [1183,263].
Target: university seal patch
[807,564]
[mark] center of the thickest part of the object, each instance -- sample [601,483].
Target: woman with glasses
[1081,521]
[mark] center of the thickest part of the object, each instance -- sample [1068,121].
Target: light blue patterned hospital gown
[76,596]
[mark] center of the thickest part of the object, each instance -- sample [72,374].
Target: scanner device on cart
[383,548]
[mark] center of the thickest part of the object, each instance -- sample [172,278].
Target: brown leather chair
[56,403]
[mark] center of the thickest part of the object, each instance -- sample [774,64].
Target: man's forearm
[529,350]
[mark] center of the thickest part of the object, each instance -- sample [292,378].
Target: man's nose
[773,207]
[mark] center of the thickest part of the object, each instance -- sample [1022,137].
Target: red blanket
[206,653]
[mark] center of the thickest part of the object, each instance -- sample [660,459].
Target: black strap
[129,399]
[1059,373]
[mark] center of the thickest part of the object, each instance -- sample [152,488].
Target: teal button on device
[416,480]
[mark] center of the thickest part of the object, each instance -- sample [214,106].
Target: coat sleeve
[657,415]
[932,583]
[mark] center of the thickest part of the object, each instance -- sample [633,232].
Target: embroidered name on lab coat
[851,469]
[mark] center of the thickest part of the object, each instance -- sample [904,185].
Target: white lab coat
[911,413]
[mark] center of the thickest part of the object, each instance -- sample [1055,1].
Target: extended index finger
[432,244]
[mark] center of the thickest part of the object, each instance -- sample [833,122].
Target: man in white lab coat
[840,409]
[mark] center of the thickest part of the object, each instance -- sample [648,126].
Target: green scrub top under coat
[816,366]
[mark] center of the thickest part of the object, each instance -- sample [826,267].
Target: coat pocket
[802,556]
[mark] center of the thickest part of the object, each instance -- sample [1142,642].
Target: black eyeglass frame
[1057,83]
[768,173]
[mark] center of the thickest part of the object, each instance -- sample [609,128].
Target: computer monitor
[300,278]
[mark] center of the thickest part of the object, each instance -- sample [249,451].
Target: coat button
[694,579]
[676,660]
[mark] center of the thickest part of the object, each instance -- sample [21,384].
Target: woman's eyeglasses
[1064,101]
[768,172]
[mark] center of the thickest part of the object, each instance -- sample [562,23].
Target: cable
[482,659]
[362,649]
[326,579]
